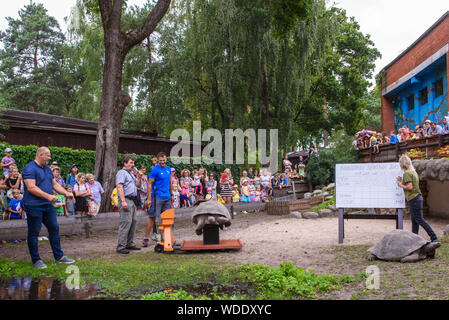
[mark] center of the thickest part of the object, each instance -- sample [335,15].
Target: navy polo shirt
[161,177]
[44,181]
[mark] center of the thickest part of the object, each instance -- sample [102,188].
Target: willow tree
[117,44]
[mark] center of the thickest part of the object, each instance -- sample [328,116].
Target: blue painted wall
[436,107]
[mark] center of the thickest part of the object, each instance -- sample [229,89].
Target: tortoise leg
[372,257]
[414,257]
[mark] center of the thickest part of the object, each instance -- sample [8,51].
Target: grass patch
[152,276]
[324,205]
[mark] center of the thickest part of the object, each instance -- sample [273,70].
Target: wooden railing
[392,152]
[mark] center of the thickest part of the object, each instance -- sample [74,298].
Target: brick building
[415,84]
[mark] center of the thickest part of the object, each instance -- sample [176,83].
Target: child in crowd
[143,186]
[220,199]
[245,192]
[252,190]
[264,195]
[282,181]
[70,202]
[235,194]
[257,194]
[114,200]
[7,161]
[185,195]
[15,206]
[60,205]
[176,193]
[57,175]
[287,163]
[375,144]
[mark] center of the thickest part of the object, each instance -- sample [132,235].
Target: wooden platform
[199,246]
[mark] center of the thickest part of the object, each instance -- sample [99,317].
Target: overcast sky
[392,24]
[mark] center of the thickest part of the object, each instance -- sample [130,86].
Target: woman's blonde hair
[79,175]
[406,163]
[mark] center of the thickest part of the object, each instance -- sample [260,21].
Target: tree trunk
[113,100]
[113,103]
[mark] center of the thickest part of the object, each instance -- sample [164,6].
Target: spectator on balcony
[426,128]
[385,139]
[393,138]
[445,126]
[435,129]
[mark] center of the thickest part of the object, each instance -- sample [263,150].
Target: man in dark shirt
[38,200]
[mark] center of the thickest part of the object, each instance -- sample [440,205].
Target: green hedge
[85,160]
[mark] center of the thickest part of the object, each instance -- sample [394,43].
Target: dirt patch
[271,240]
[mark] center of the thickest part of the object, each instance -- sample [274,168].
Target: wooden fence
[392,152]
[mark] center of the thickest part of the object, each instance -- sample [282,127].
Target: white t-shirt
[265,180]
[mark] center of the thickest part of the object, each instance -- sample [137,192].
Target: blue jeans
[418,219]
[45,214]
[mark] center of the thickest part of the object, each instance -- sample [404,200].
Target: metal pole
[401,219]
[341,226]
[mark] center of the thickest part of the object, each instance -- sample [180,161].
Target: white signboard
[371,185]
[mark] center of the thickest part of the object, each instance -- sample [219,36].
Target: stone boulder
[310,215]
[432,169]
[296,215]
[324,213]
[307,195]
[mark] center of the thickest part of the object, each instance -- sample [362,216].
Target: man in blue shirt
[38,199]
[159,179]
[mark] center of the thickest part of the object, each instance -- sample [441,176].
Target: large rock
[324,213]
[296,214]
[307,195]
[432,169]
[317,193]
[333,208]
[328,198]
[310,215]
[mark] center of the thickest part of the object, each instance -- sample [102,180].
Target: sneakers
[123,251]
[132,248]
[65,260]
[39,264]
[145,242]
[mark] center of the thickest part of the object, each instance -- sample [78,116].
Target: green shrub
[85,160]
[321,171]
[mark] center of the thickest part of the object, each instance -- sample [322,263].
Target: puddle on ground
[43,289]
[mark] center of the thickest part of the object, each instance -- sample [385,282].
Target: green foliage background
[85,160]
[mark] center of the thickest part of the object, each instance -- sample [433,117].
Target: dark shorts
[161,206]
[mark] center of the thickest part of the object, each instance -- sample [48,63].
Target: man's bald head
[43,156]
[42,150]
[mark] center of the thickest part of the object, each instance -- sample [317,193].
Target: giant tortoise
[403,246]
[210,212]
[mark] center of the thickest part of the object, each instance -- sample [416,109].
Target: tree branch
[147,27]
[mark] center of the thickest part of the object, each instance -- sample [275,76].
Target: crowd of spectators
[188,187]
[371,139]
[87,192]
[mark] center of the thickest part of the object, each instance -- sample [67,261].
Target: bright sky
[393,24]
